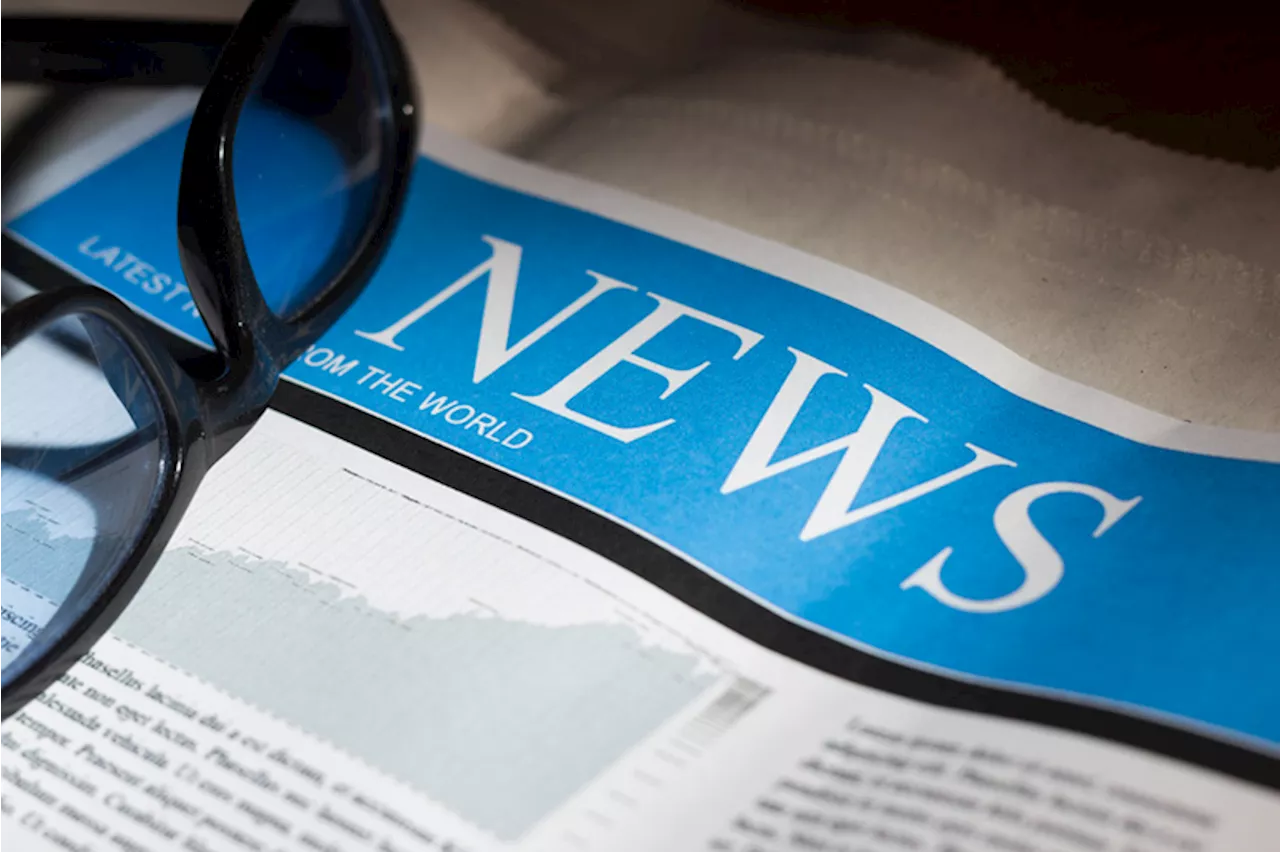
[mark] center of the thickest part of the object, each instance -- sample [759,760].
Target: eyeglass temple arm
[135,52]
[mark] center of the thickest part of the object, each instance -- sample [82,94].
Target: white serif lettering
[623,349]
[1041,563]
[859,450]
[503,270]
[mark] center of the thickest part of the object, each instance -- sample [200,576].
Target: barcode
[737,699]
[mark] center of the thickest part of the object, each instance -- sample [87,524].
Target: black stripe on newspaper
[757,623]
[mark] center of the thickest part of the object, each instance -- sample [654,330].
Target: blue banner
[825,461]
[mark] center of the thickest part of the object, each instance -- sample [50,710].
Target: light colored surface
[1149,274]
[1146,273]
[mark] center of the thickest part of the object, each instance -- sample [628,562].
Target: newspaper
[596,525]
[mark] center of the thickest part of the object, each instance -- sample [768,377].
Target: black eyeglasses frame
[209,402]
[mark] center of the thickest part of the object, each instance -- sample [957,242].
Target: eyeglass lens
[83,451]
[307,153]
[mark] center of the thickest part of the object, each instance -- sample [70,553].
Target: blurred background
[1094,184]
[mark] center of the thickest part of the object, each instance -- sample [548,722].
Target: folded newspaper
[596,525]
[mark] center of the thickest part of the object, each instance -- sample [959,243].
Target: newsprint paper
[596,525]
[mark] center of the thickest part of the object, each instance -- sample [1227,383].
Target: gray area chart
[499,720]
[45,563]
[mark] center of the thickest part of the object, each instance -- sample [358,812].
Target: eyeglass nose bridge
[234,401]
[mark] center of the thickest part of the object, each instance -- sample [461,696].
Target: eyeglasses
[107,427]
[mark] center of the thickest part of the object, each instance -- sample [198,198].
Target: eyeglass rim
[184,462]
[211,245]
[209,403]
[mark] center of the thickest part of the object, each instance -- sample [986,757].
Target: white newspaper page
[595,525]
